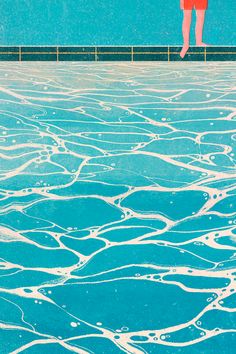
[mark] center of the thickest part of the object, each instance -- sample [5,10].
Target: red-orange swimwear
[197,4]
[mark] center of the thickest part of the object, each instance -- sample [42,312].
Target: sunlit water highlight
[117,208]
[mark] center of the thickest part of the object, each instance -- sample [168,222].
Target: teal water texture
[117,208]
[113,22]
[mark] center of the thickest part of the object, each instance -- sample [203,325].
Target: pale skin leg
[186,31]
[200,27]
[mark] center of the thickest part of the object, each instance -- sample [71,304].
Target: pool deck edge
[116,53]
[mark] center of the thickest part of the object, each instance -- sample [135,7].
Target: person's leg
[186,31]
[200,26]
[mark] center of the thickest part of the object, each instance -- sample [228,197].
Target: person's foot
[184,50]
[201,44]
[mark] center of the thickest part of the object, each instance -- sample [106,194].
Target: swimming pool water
[117,208]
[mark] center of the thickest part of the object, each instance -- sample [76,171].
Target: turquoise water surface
[117,208]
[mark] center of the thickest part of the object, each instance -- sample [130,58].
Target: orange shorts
[197,4]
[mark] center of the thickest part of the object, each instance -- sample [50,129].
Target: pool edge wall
[116,53]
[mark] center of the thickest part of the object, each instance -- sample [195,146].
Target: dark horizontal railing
[115,53]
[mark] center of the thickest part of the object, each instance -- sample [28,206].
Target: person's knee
[187,16]
[200,13]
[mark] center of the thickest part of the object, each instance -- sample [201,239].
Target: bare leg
[186,31]
[200,27]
